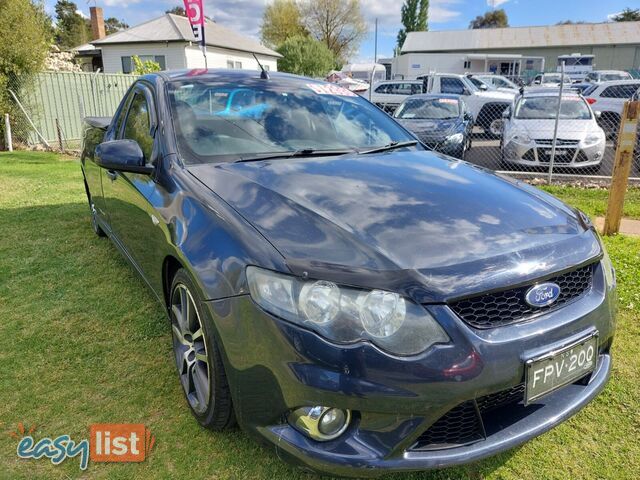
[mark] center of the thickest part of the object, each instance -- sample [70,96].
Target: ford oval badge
[542,295]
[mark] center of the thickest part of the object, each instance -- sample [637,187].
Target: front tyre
[197,356]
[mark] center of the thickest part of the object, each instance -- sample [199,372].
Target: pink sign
[195,13]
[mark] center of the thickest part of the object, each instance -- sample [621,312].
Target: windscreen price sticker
[328,89]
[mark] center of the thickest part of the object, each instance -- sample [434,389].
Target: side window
[620,91]
[383,89]
[415,89]
[405,89]
[138,125]
[393,88]
[451,85]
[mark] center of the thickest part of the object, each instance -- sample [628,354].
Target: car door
[131,199]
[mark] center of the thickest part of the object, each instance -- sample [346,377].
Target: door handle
[112,174]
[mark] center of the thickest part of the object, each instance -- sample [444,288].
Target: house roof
[524,37]
[174,28]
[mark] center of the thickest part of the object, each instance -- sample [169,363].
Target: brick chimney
[97,23]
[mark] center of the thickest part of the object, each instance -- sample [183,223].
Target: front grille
[463,424]
[500,399]
[559,143]
[509,306]
[459,426]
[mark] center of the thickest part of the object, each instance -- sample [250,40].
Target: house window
[230,64]
[467,64]
[238,65]
[127,62]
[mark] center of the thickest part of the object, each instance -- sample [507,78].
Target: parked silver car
[529,128]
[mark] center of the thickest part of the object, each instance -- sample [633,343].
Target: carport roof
[574,35]
[174,28]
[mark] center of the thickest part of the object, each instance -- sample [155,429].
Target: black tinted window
[620,91]
[138,125]
[451,85]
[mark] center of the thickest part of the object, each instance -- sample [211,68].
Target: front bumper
[274,366]
[536,154]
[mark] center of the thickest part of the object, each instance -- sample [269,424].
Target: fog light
[320,423]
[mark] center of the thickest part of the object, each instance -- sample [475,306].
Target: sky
[244,16]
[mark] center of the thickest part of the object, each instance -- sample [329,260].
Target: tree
[113,25]
[415,14]
[306,56]
[627,15]
[281,20]
[177,11]
[25,31]
[493,19]
[339,24]
[142,68]
[72,28]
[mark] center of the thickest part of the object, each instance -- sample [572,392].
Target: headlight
[347,315]
[521,138]
[455,138]
[593,138]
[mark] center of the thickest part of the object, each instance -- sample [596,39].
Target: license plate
[556,369]
[558,152]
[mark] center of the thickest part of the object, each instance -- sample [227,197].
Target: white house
[169,41]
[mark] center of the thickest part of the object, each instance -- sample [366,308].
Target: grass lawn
[83,341]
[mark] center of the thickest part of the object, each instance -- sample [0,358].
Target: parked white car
[499,82]
[550,80]
[608,98]
[599,76]
[389,94]
[529,128]
[485,104]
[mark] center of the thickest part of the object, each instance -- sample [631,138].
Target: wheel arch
[170,267]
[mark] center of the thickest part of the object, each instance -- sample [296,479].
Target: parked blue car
[353,300]
[441,122]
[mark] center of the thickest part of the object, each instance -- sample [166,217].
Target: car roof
[552,93]
[619,82]
[427,96]
[225,74]
[609,71]
[382,82]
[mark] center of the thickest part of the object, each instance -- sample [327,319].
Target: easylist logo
[107,442]
[120,442]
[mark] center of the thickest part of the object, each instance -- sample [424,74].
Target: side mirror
[483,87]
[468,116]
[122,156]
[506,113]
[598,114]
[536,82]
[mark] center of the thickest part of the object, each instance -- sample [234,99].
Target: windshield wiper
[391,146]
[304,152]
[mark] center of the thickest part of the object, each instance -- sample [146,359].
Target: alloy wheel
[190,349]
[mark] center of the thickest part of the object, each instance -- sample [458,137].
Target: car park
[486,105]
[599,76]
[529,131]
[608,98]
[356,302]
[441,122]
[389,94]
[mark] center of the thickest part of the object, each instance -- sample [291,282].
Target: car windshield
[544,108]
[429,108]
[607,77]
[554,78]
[479,84]
[218,121]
